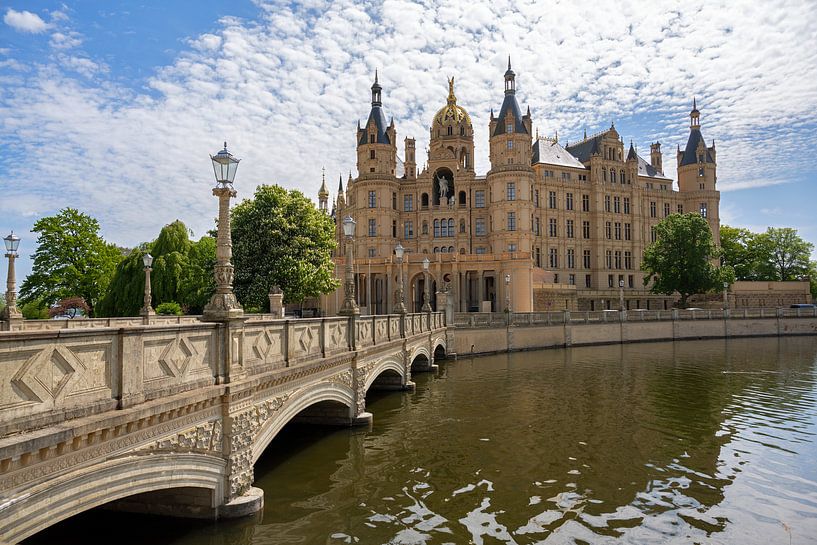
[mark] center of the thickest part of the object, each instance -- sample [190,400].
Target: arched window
[436,249]
[613,175]
[450,249]
[436,228]
[450,131]
[623,177]
[462,251]
[443,250]
[451,227]
[604,172]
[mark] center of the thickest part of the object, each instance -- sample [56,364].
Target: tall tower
[511,176]
[655,157]
[697,174]
[410,161]
[323,194]
[376,141]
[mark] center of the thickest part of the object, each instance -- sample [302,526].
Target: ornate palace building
[548,227]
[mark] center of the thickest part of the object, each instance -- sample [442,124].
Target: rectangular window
[372,252]
[586,259]
[408,229]
[588,281]
[554,258]
[511,221]
[509,128]
[585,229]
[609,284]
[552,199]
[626,205]
[703,209]
[552,227]
[617,227]
[437,232]
[653,213]
[630,281]
[511,191]
[394,201]
[653,234]
[585,203]
[617,204]
[627,232]
[608,230]
[628,260]
[372,199]
[479,198]
[480,250]
[666,209]
[608,255]
[372,228]
[569,227]
[680,208]
[618,259]
[536,198]
[394,228]
[569,201]
[607,203]
[480,227]
[538,257]
[511,247]
[571,279]
[408,203]
[536,226]
[571,258]
[565,175]
[510,144]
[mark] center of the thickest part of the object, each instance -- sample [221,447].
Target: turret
[510,131]
[655,157]
[376,140]
[696,163]
[323,194]
[410,159]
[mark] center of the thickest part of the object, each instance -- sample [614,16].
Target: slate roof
[379,118]
[509,105]
[646,169]
[546,151]
[584,149]
[690,156]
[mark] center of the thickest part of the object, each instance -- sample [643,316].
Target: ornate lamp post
[426,304]
[349,307]
[223,305]
[508,293]
[621,295]
[147,309]
[11,312]
[400,307]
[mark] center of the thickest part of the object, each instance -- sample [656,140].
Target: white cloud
[65,40]
[287,89]
[24,21]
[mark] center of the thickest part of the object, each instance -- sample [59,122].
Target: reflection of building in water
[571,220]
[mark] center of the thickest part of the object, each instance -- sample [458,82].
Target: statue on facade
[443,185]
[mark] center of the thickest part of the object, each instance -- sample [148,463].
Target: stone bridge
[171,417]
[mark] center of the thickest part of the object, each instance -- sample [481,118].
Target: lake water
[689,442]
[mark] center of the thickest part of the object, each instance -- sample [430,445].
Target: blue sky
[112,107]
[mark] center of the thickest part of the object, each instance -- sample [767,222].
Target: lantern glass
[224,166]
[426,263]
[147,259]
[349,226]
[12,243]
[399,251]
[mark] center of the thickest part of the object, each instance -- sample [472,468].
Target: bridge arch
[67,495]
[388,364]
[323,391]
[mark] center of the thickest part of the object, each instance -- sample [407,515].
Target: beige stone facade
[582,212]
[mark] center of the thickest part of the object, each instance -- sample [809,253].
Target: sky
[113,107]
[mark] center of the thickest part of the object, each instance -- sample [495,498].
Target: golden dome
[451,112]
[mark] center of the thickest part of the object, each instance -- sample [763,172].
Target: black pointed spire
[376,91]
[340,184]
[631,155]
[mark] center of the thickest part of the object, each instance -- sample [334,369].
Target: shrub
[169,309]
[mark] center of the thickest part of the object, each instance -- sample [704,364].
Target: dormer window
[371,139]
[509,128]
[700,157]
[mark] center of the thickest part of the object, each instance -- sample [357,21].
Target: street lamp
[508,293]
[426,304]
[147,309]
[223,305]
[11,312]
[725,296]
[349,307]
[621,295]
[400,308]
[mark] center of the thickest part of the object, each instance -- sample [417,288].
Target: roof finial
[694,103]
[585,133]
[537,133]
[509,62]
[452,98]
[375,75]
[556,139]
[225,144]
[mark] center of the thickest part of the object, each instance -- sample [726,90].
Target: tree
[739,251]
[70,307]
[182,272]
[281,239]
[783,255]
[71,259]
[680,260]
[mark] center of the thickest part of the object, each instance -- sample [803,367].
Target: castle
[546,228]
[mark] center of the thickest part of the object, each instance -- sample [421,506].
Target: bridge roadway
[170,418]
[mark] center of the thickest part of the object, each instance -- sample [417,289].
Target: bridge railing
[51,375]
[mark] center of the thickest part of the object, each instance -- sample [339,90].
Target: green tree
[680,260]
[182,272]
[71,259]
[739,251]
[782,254]
[280,238]
[34,310]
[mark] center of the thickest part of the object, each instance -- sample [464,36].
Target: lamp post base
[221,308]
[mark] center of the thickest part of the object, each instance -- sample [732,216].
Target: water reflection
[695,442]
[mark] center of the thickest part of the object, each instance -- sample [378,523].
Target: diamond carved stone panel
[176,357]
[45,375]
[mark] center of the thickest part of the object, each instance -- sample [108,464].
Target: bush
[34,310]
[169,309]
